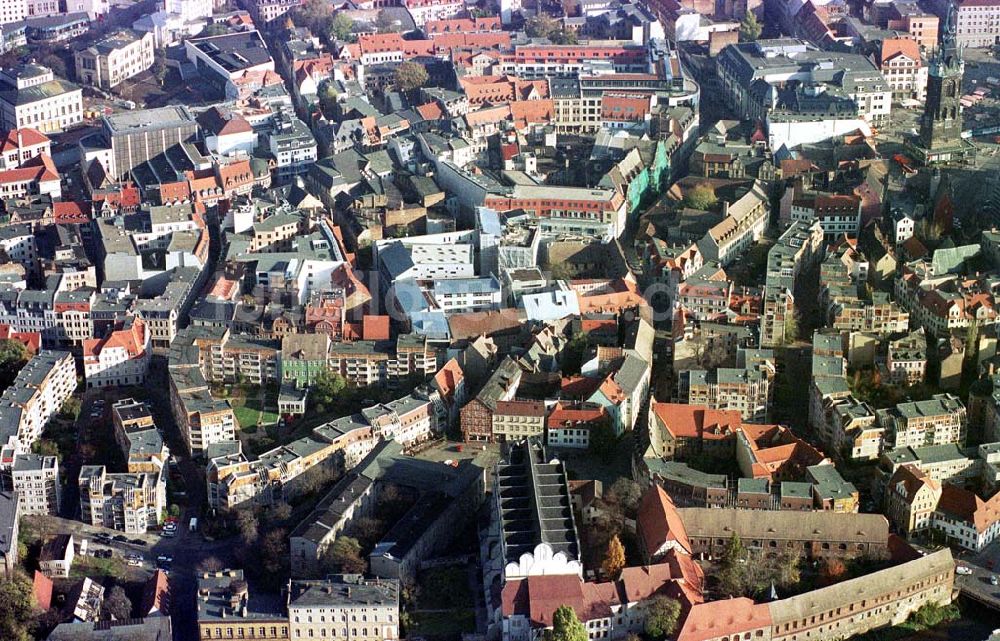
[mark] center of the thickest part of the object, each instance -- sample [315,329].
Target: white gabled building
[121,358]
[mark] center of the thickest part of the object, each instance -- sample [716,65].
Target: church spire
[947,58]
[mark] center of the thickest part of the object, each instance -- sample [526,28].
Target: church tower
[941,124]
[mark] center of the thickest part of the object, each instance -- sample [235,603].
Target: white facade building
[36,481]
[31,96]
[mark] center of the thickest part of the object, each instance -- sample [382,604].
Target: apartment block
[937,421]
[747,391]
[138,438]
[35,479]
[35,396]
[131,503]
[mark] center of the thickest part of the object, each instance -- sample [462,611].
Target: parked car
[994,580]
[964,571]
[137,542]
[121,538]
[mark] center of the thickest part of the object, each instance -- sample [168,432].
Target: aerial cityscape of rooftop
[500,320]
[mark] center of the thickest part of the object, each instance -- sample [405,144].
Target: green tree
[341,27]
[832,571]
[55,63]
[573,354]
[71,408]
[603,441]
[786,570]
[662,614]
[214,29]
[13,356]
[750,28]
[385,23]
[17,607]
[410,75]
[45,447]
[315,15]
[345,556]
[328,98]
[565,37]
[732,575]
[701,196]
[248,527]
[159,68]
[563,271]
[626,493]
[614,558]
[327,387]
[541,26]
[972,343]
[565,626]
[273,557]
[116,605]
[735,552]
[791,326]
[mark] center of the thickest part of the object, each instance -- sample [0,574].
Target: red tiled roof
[132,340]
[449,377]
[155,595]
[180,190]
[659,521]
[31,340]
[224,289]
[967,506]
[520,408]
[28,138]
[892,47]
[579,387]
[462,25]
[38,169]
[565,414]
[223,122]
[448,41]
[537,597]
[509,150]
[697,421]
[375,328]
[720,619]
[474,324]
[912,479]
[621,107]
[42,589]
[70,211]
[431,111]
[529,112]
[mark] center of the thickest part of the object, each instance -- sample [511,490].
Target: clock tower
[941,124]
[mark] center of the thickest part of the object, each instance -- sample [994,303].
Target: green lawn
[443,588]
[250,410]
[444,604]
[442,624]
[95,568]
[246,416]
